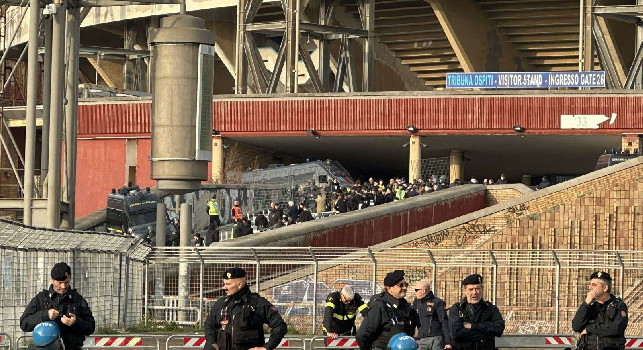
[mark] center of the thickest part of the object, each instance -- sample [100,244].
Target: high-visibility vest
[400,194]
[214,208]
[237,213]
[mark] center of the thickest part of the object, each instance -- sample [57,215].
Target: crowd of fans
[338,198]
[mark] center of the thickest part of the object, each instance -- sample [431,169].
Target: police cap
[392,278]
[472,279]
[60,271]
[234,272]
[601,275]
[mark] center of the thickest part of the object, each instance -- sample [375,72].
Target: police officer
[474,322]
[433,329]
[602,318]
[340,311]
[388,314]
[213,212]
[62,305]
[236,321]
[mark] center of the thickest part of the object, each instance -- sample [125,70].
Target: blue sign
[525,80]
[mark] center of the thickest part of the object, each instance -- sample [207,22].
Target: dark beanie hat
[392,278]
[472,279]
[234,272]
[60,271]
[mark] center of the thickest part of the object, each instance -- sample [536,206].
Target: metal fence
[107,270]
[537,291]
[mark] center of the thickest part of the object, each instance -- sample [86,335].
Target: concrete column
[46,106]
[56,114]
[161,223]
[184,275]
[456,168]
[32,96]
[415,158]
[71,112]
[217,160]
[526,180]
[130,162]
[632,143]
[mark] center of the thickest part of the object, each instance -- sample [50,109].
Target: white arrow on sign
[581,121]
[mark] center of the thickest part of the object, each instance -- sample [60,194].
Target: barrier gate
[5,341]
[122,342]
[195,341]
[527,341]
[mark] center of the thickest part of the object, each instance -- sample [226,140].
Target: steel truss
[625,13]
[292,49]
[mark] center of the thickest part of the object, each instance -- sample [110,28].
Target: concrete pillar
[130,162]
[415,158]
[32,96]
[217,175]
[632,143]
[161,224]
[46,105]
[456,168]
[184,274]
[71,112]
[56,116]
[526,180]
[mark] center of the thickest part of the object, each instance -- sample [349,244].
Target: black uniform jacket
[243,315]
[37,311]
[486,324]
[386,317]
[605,323]
[339,317]
[432,314]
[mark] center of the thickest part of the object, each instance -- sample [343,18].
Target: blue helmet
[45,333]
[402,341]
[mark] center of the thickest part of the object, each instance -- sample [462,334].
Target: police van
[132,210]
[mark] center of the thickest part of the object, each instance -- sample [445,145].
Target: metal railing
[297,280]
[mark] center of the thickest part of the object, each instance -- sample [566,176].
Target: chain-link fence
[107,270]
[537,291]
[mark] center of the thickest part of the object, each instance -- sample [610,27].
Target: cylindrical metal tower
[182,74]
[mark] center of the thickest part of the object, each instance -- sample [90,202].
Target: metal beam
[606,57]
[251,10]
[279,65]
[341,68]
[323,66]
[629,10]
[291,37]
[635,69]
[254,64]
[106,3]
[241,77]
[328,31]
[310,67]
[368,57]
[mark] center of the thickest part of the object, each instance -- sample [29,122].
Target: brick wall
[502,193]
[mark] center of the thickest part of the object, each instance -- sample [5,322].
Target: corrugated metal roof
[470,114]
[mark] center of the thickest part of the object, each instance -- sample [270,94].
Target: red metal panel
[101,167]
[444,114]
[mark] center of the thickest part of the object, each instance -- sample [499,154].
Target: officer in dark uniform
[474,322]
[602,318]
[62,305]
[388,314]
[236,321]
[340,311]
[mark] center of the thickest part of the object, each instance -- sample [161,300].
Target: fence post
[257,271]
[434,275]
[126,292]
[494,286]
[120,286]
[146,291]
[621,275]
[316,267]
[201,281]
[557,291]
[370,252]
